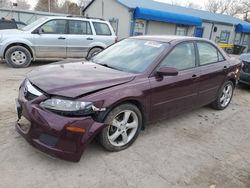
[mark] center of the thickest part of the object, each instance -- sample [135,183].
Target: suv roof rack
[86,17]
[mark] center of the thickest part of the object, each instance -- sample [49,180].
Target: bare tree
[237,8]
[246,11]
[229,7]
[22,4]
[5,4]
[45,5]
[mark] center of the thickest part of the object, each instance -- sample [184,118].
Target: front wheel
[224,97]
[18,57]
[123,126]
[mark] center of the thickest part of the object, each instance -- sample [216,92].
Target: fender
[9,41]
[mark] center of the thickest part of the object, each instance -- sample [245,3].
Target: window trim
[218,52]
[93,22]
[65,31]
[184,42]
[88,22]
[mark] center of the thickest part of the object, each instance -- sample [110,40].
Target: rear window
[101,28]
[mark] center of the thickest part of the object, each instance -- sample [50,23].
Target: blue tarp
[243,28]
[161,16]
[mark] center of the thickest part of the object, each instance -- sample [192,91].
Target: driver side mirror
[40,30]
[167,71]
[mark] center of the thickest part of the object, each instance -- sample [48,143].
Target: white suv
[54,38]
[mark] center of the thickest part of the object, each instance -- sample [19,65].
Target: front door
[173,94]
[52,39]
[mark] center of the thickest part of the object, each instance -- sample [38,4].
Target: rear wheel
[93,52]
[18,57]
[224,97]
[123,126]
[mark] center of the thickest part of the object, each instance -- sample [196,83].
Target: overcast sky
[199,2]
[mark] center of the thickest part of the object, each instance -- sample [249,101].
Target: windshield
[130,55]
[33,24]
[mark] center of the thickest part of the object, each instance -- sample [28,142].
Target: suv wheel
[224,97]
[93,52]
[18,57]
[123,126]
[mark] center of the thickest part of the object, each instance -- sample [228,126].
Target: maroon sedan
[139,80]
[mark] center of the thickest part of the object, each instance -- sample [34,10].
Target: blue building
[146,17]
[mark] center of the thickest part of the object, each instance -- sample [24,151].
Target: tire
[224,96]
[113,137]
[92,52]
[18,57]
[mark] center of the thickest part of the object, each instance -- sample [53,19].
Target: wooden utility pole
[49,5]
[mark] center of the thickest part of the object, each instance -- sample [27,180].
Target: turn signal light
[76,129]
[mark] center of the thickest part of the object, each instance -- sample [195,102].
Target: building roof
[204,15]
[162,16]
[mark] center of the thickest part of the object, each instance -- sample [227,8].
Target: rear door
[80,38]
[103,33]
[173,94]
[213,68]
[51,43]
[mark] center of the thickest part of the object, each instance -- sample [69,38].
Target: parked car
[137,81]
[11,24]
[245,71]
[53,38]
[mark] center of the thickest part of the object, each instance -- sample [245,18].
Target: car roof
[76,18]
[168,38]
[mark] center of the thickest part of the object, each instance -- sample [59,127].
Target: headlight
[68,107]
[31,89]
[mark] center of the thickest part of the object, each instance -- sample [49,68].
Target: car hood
[10,31]
[76,79]
[245,57]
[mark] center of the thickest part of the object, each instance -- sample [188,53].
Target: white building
[145,17]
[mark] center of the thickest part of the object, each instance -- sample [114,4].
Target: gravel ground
[200,149]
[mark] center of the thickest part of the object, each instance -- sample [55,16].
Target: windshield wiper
[108,66]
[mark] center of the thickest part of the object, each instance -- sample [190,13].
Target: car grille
[246,67]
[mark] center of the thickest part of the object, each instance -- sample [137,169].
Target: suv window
[79,27]
[181,57]
[54,27]
[208,53]
[101,28]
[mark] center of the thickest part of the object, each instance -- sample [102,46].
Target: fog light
[75,129]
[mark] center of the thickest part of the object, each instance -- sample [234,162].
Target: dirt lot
[198,149]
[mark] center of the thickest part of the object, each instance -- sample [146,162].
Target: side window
[79,27]
[181,57]
[54,27]
[101,28]
[208,53]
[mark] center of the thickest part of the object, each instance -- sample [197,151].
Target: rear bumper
[48,133]
[244,78]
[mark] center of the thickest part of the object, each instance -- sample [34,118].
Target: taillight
[116,39]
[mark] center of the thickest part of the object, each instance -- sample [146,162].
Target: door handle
[89,38]
[194,76]
[61,38]
[225,67]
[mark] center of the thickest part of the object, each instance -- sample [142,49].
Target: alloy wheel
[123,128]
[226,95]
